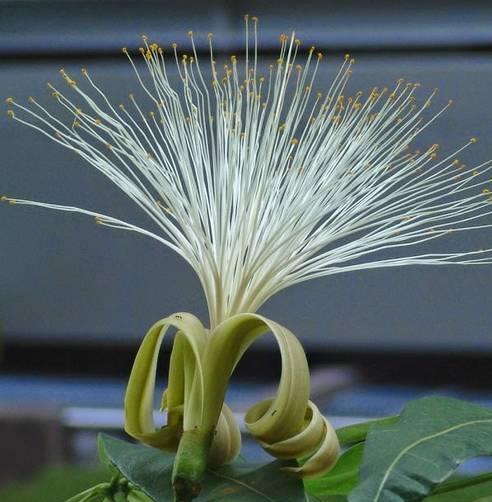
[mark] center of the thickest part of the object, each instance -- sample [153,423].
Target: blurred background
[76,299]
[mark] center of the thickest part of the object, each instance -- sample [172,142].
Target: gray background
[62,276]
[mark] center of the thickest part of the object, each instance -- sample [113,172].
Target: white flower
[260,182]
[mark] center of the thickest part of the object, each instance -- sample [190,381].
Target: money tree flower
[259,181]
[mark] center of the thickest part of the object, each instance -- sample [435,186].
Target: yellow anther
[77,124]
[11,114]
[124,50]
[98,121]
[319,55]
[121,106]
[312,49]
[190,33]
[109,146]
[83,71]
[31,99]
[154,47]
[485,191]
[297,42]
[145,38]
[294,141]
[210,35]
[10,100]
[476,173]
[174,45]
[148,55]
[254,19]
[473,140]
[97,220]
[130,96]
[347,57]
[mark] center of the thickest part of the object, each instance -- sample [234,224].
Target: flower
[259,182]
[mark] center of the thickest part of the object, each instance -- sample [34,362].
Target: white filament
[260,183]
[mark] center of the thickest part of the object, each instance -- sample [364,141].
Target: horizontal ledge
[44,28]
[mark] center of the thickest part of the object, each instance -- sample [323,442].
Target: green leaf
[146,467]
[150,470]
[325,498]
[475,489]
[405,461]
[342,479]
[358,432]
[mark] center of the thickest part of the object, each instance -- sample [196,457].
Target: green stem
[190,464]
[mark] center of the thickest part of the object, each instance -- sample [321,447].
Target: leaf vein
[417,443]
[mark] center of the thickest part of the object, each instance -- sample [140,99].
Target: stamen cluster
[260,182]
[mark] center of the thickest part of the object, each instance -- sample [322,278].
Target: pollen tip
[31,99]
[124,50]
[190,33]
[254,19]
[473,140]
[11,114]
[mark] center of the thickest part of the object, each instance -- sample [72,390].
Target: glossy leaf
[358,432]
[405,461]
[475,489]
[342,479]
[150,470]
